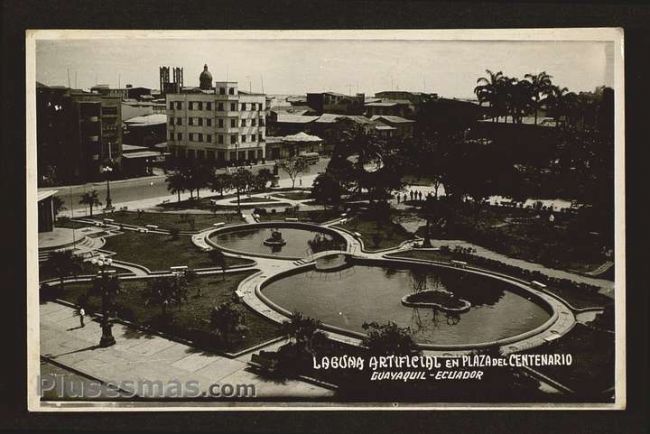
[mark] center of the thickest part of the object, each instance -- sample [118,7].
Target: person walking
[398,198]
[82,314]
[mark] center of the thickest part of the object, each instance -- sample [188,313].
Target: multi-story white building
[218,123]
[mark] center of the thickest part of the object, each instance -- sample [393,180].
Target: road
[150,187]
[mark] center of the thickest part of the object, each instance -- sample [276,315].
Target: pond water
[365,293]
[297,241]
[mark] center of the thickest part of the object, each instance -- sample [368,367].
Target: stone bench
[291,219]
[459,264]
[216,225]
[109,221]
[152,227]
[143,230]
[538,285]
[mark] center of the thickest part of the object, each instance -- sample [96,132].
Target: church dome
[205,79]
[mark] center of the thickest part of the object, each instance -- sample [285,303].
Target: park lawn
[202,203]
[427,255]
[294,195]
[159,252]
[390,234]
[592,370]
[45,273]
[255,199]
[193,315]
[171,220]
[64,222]
[314,216]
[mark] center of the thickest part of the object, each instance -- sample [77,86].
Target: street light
[106,169]
[103,282]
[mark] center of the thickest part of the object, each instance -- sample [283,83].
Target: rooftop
[392,119]
[295,119]
[44,194]
[141,154]
[153,119]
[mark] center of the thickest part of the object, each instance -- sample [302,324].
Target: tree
[540,88]
[241,182]
[326,190]
[198,175]
[63,263]
[489,89]
[388,339]
[294,166]
[221,182]
[165,291]
[263,177]
[57,205]
[176,183]
[91,199]
[219,260]
[303,332]
[227,320]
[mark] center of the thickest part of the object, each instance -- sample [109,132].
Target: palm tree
[487,90]
[91,199]
[57,205]
[540,86]
[220,183]
[227,319]
[176,183]
[561,103]
[303,331]
[241,181]
[63,263]
[165,291]
[519,99]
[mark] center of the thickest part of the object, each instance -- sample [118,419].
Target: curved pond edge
[543,300]
[271,224]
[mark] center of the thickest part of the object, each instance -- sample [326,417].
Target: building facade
[77,133]
[221,123]
[332,102]
[172,84]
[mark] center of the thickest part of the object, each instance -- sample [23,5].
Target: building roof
[328,118]
[526,120]
[295,119]
[392,119]
[162,145]
[381,104]
[153,119]
[132,148]
[384,127]
[141,154]
[44,194]
[301,137]
[273,139]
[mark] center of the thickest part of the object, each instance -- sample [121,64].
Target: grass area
[255,199]
[159,252]
[593,353]
[181,221]
[315,216]
[193,315]
[577,297]
[377,236]
[65,222]
[294,195]
[202,203]
[45,273]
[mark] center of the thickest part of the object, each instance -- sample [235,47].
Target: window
[191,137]
[208,138]
[210,154]
[233,139]
[243,138]
[200,105]
[220,123]
[243,122]
[233,156]
[200,121]
[208,106]
[200,139]
[179,105]
[260,137]
[233,107]
[221,155]
[222,91]
[179,121]
[179,136]
[200,155]
[220,107]
[231,91]
[171,121]
[253,123]
[220,138]
[171,105]
[208,122]
[261,122]
[190,105]
[233,123]
[243,107]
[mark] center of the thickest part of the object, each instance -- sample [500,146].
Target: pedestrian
[420,195]
[404,197]
[398,197]
[411,194]
[300,181]
[82,314]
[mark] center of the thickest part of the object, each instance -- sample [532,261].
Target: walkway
[140,357]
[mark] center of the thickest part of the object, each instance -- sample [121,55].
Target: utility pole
[68,77]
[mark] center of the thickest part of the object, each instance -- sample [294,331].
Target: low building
[402,127]
[282,123]
[332,102]
[293,145]
[146,130]
[46,210]
[402,108]
[140,160]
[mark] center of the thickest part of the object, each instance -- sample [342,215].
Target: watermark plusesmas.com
[53,386]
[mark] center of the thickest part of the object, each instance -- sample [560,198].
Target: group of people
[414,195]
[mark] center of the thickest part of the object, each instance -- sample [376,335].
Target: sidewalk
[140,357]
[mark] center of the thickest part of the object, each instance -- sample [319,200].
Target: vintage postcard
[281,220]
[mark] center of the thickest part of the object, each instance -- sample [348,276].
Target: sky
[449,68]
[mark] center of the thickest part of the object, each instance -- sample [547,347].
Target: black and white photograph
[367,219]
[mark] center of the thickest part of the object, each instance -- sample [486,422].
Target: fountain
[275,240]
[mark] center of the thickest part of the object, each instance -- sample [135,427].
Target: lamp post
[106,169]
[103,281]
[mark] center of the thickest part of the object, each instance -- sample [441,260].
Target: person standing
[82,314]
